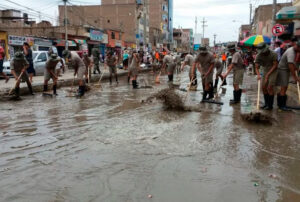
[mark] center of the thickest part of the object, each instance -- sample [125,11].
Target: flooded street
[110,147]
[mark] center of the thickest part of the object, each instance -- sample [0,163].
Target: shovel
[16,83]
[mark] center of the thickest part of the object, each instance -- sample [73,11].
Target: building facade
[244,32]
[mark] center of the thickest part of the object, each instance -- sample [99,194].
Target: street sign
[278,30]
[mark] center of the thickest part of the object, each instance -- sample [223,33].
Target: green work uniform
[18,65]
[266,62]
[110,61]
[205,62]
[238,70]
[168,60]
[283,68]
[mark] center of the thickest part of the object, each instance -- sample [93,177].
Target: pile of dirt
[170,99]
[257,117]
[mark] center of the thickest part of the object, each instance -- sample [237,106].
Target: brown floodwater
[108,146]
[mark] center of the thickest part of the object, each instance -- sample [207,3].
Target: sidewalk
[64,81]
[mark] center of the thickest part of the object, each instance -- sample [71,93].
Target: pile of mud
[258,117]
[171,100]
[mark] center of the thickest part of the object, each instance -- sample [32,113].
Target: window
[165,8]
[113,35]
[42,57]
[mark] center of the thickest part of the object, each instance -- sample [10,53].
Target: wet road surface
[109,147]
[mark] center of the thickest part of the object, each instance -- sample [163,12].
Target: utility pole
[196,23]
[203,29]
[145,21]
[215,36]
[250,20]
[274,19]
[66,25]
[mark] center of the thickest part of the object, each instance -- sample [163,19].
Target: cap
[66,54]
[19,56]
[262,47]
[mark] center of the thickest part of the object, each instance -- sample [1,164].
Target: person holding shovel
[134,69]
[49,72]
[206,61]
[168,62]
[18,67]
[189,61]
[268,60]
[79,69]
[237,64]
[286,67]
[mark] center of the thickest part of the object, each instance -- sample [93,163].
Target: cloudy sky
[223,17]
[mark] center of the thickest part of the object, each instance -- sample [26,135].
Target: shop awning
[80,41]
[61,42]
[288,13]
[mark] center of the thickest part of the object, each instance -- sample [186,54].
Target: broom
[16,83]
[98,84]
[257,116]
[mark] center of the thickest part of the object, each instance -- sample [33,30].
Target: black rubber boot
[211,92]
[204,97]
[216,83]
[270,102]
[224,83]
[117,79]
[134,84]
[170,78]
[239,95]
[45,88]
[110,80]
[81,91]
[235,97]
[281,102]
[17,91]
[266,97]
[30,89]
[54,90]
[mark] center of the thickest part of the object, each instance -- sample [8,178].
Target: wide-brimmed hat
[54,57]
[66,53]
[262,47]
[203,49]
[19,56]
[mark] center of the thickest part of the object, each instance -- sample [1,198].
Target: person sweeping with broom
[79,67]
[286,66]
[168,62]
[134,68]
[18,67]
[207,61]
[267,59]
[49,72]
[189,61]
[237,65]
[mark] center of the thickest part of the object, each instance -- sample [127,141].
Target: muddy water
[109,147]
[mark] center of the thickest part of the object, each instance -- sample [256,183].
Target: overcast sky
[223,17]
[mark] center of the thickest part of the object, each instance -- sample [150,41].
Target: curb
[65,83]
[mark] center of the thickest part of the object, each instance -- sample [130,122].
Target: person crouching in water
[49,72]
[79,69]
[18,66]
[207,61]
[134,69]
[111,62]
[168,62]
[268,60]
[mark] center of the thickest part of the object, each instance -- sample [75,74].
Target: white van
[39,62]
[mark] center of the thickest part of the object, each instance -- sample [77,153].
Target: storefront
[289,17]
[41,44]
[3,42]
[15,43]
[97,39]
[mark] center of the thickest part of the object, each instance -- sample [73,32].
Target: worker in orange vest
[224,58]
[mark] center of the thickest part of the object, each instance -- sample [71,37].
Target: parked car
[39,62]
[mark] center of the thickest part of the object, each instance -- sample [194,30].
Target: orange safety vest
[223,57]
[157,55]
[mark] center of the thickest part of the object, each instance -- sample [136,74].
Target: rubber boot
[266,97]
[54,90]
[211,91]
[235,97]
[270,102]
[224,83]
[281,102]
[239,95]
[17,92]
[110,80]
[216,83]
[204,96]
[134,84]
[170,78]
[117,79]
[30,89]
[81,91]
[45,88]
